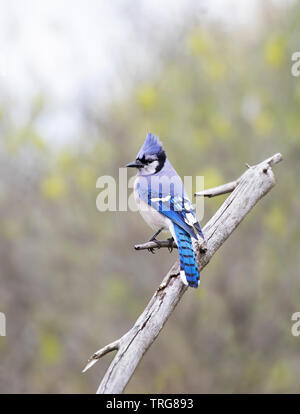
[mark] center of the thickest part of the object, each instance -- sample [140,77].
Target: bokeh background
[81,83]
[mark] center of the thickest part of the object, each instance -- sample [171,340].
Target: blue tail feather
[188,263]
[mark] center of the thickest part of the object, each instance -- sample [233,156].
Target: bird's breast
[151,216]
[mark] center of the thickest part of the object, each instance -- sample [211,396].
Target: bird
[163,203]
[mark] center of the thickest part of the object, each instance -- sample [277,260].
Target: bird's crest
[151,146]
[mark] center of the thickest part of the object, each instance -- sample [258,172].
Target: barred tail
[188,267]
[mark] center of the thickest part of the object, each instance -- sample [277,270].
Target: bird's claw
[203,247]
[170,247]
[152,249]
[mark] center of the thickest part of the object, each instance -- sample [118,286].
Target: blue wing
[177,208]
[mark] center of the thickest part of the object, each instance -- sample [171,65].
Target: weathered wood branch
[229,187]
[251,187]
[159,244]
[221,189]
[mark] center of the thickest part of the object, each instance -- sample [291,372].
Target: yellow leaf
[147,97]
[215,69]
[53,187]
[212,177]
[65,159]
[276,220]
[38,142]
[275,50]
[50,348]
[199,42]
[220,126]
[263,124]
[279,377]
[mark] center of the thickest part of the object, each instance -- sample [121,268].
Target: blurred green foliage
[70,279]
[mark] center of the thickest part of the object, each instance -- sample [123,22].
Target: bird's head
[151,157]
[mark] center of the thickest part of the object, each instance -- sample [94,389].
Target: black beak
[135,164]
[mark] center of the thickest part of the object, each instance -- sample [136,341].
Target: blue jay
[164,205]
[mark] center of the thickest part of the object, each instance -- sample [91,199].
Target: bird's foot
[152,249]
[203,247]
[171,246]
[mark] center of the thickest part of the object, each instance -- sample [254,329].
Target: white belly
[151,216]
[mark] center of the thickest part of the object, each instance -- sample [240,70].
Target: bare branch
[221,189]
[275,159]
[114,346]
[160,244]
[229,187]
[252,186]
[156,245]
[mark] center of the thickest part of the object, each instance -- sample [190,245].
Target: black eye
[145,161]
[150,160]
